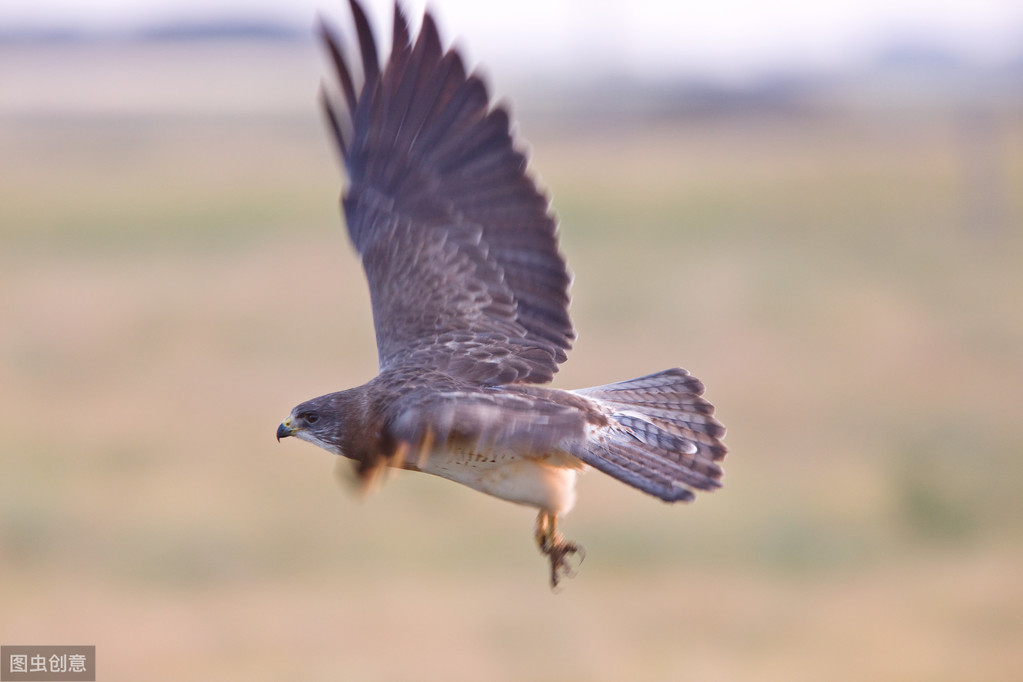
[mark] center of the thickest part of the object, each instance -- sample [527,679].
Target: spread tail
[661,437]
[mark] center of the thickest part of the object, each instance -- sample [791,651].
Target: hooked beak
[284,430]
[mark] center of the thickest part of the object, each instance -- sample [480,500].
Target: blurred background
[816,210]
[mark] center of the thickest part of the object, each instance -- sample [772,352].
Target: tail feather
[661,435]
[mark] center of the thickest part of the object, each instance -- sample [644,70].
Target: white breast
[545,482]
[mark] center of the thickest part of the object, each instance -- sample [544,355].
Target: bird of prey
[470,305]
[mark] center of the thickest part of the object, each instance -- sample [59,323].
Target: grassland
[172,283]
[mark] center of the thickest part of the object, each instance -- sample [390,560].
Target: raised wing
[457,242]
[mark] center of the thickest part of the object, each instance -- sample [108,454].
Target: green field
[847,282]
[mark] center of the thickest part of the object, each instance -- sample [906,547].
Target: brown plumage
[470,306]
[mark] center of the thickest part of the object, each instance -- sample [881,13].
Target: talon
[556,548]
[560,567]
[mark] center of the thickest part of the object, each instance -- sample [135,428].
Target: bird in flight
[470,305]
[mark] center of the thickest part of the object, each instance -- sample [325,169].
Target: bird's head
[316,421]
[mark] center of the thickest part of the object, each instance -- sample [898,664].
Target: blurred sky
[724,37]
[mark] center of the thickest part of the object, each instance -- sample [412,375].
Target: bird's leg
[554,545]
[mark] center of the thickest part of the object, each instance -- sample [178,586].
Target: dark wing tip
[328,35]
[401,40]
[333,118]
[367,45]
[428,30]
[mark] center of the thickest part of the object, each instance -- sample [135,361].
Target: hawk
[470,306]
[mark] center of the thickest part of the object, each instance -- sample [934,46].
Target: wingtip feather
[367,44]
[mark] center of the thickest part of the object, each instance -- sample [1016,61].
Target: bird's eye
[311,418]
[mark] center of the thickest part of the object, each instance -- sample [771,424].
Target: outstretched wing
[457,242]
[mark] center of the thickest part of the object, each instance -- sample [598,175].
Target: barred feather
[661,435]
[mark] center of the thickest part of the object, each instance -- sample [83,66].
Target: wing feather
[539,423]
[453,234]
